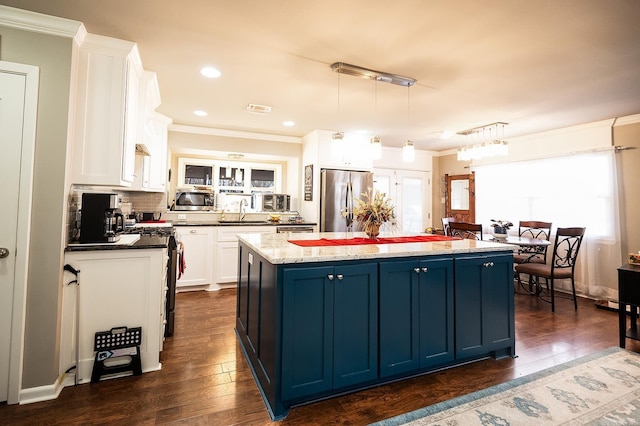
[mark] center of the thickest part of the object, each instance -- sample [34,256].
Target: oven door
[294,229]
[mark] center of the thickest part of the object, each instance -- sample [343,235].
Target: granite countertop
[243,223]
[277,250]
[144,242]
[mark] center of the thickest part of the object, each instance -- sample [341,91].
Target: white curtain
[578,190]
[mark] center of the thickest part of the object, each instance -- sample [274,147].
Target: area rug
[599,389]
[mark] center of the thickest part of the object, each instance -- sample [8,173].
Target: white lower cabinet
[117,288]
[198,243]
[211,255]
[226,271]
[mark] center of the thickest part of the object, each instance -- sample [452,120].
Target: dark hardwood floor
[206,381]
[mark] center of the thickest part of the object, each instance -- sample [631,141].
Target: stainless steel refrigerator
[337,190]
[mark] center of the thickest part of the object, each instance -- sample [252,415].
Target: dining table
[531,246]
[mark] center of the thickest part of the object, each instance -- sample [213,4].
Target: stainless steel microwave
[194,200]
[276,202]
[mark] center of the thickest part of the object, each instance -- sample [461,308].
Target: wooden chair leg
[573,287]
[553,297]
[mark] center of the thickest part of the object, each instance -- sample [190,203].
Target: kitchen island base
[314,330]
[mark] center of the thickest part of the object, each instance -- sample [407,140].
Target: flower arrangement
[372,210]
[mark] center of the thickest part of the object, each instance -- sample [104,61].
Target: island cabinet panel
[416,315]
[484,306]
[330,328]
[355,340]
[318,328]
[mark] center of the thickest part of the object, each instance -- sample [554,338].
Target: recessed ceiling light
[200,113]
[288,123]
[210,72]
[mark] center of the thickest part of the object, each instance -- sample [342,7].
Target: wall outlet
[182,216]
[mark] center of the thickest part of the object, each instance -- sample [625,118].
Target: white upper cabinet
[351,153]
[151,138]
[155,164]
[106,111]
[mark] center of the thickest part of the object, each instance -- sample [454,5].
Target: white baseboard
[47,392]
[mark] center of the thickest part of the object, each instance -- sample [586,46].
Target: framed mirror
[460,200]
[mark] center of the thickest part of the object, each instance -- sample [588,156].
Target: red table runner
[324,242]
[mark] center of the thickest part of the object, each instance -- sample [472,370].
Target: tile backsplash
[140,202]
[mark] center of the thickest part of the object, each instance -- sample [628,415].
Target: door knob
[4,252]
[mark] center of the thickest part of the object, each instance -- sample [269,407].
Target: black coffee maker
[101,219]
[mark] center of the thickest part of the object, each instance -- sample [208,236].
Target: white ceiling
[538,65]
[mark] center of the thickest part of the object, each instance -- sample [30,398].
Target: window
[577,190]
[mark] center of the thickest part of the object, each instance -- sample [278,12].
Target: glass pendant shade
[376,148]
[408,152]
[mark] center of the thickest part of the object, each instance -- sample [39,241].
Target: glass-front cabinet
[195,172]
[231,177]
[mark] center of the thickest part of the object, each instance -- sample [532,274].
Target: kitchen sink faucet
[241,213]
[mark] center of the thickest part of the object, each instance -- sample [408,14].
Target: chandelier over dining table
[490,143]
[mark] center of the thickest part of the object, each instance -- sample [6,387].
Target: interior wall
[628,181]
[626,132]
[217,147]
[444,164]
[53,55]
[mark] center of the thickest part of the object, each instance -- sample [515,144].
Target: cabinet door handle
[488,264]
[416,270]
[340,276]
[330,276]
[425,269]
[193,231]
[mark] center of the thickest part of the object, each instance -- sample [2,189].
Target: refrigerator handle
[349,204]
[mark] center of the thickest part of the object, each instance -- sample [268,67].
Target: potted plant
[372,210]
[500,228]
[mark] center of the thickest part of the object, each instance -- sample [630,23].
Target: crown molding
[40,23]
[629,119]
[233,133]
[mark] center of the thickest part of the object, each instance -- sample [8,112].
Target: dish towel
[182,263]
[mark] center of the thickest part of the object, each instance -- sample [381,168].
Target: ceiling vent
[259,109]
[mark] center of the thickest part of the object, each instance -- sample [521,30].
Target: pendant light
[376,143]
[408,151]
[489,147]
[336,144]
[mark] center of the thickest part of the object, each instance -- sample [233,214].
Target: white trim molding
[181,128]
[40,23]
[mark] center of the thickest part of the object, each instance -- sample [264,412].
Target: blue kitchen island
[318,321]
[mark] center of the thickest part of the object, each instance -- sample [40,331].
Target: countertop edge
[273,248]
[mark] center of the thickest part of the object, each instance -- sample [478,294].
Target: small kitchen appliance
[276,202]
[194,200]
[101,218]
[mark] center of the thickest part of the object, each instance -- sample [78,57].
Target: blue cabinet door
[436,312]
[329,328]
[483,305]
[399,317]
[416,315]
[497,304]
[355,324]
[307,331]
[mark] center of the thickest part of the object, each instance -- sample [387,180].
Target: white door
[410,192]
[18,100]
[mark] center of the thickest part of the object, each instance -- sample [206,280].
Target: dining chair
[563,263]
[536,230]
[471,231]
[445,225]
